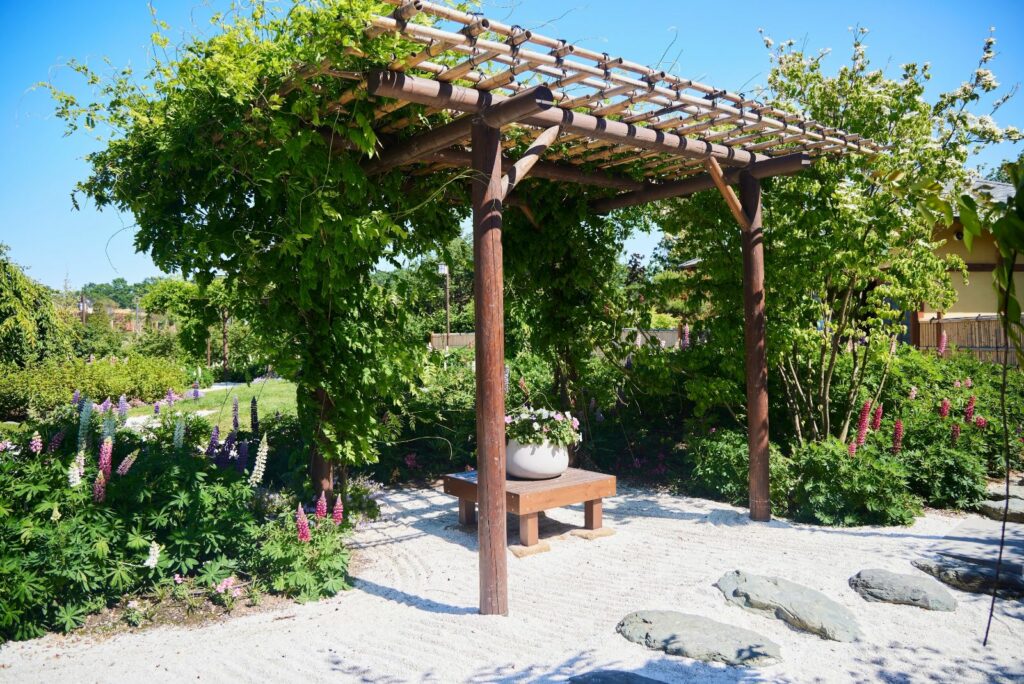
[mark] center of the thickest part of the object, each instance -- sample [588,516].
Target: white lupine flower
[74,476]
[261,463]
[536,425]
[154,555]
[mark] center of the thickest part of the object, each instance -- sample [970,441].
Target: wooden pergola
[647,134]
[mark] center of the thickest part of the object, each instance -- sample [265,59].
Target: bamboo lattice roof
[470,50]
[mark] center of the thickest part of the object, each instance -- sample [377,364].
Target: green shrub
[306,571]
[720,466]
[35,391]
[946,477]
[833,488]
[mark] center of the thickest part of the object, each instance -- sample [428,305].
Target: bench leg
[592,514]
[528,529]
[467,512]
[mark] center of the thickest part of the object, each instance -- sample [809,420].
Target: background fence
[982,335]
[668,338]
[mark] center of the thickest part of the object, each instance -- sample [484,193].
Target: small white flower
[261,463]
[536,425]
[74,477]
[154,555]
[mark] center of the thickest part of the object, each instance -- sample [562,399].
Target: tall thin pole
[447,308]
[81,306]
[754,330]
[490,364]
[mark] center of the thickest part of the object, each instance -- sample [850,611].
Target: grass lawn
[272,396]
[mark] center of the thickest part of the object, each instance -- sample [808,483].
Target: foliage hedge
[35,391]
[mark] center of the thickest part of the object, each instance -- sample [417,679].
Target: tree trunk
[313,410]
[224,343]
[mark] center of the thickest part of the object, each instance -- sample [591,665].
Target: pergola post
[490,366]
[756,352]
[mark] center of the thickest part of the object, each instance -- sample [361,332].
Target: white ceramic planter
[535,461]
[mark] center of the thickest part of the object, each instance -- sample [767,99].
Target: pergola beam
[508,110]
[715,171]
[775,166]
[525,164]
[436,94]
[547,170]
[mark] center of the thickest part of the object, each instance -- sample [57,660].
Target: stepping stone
[996,491]
[700,638]
[800,607]
[883,586]
[612,677]
[994,510]
[974,575]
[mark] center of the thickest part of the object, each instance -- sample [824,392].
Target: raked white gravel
[412,616]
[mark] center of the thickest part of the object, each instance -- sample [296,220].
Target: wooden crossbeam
[520,105]
[715,171]
[522,168]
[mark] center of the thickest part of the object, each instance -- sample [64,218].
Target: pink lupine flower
[981,422]
[969,411]
[956,384]
[36,445]
[178,579]
[321,505]
[106,454]
[852,448]
[686,336]
[897,436]
[876,422]
[862,424]
[410,461]
[99,488]
[955,433]
[126,464]
[943,341]
[968,383]
[302,522]
[944,408]
[338,514]
[913,393]
[575,423]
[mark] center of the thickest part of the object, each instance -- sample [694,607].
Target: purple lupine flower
[76,400]
[234,413]
[897,436]
[55,442]
[227,450]
[302,523]
[254,418]
[36,444]
[243,456]
[106,405]
[862,424]
[126,464]
[876,421]
[321,505]
[156,408]
[170,397]
[686,336]
[943,341]
[99,488]
[106,456]
[214,445]
[122,407]
[195,390]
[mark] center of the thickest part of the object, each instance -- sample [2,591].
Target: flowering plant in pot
[538,442]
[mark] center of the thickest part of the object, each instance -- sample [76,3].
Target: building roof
[1000,192]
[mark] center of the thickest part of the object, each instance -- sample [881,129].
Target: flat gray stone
[996,491]
[882,586]
[973,575]
[800,607]
[994,510]
[700,638]
[612,677]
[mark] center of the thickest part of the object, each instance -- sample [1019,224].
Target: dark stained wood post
[490,367]
[756,352]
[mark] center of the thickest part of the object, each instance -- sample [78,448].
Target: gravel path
[411,617]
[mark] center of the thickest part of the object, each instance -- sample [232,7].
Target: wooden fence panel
[981,335]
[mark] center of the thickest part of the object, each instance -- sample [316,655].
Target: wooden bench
[528,498]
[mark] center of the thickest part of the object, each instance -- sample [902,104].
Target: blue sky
[715,42]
